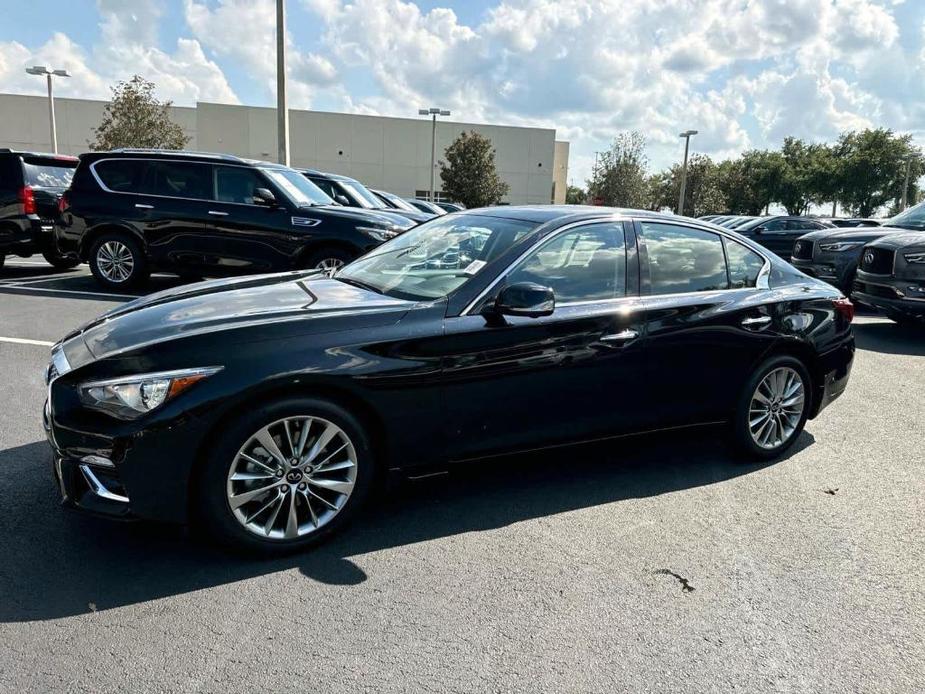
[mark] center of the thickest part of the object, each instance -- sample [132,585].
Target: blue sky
[745,73]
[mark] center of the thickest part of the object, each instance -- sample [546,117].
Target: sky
[744,73]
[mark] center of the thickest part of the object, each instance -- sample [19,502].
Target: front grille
[875,290]
[877,261]
[803,250]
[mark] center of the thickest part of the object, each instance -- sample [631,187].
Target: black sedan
[779,233]
[265,407]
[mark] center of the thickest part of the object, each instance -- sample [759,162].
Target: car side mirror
[525,299]
[759,230]
[264,196]
[342,200]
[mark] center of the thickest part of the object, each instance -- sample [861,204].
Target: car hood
[906,238]
[359,214]
[222,305]
[853,234]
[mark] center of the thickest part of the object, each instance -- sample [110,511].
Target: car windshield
[913,218]
[362,195]
[297,188]
[47,173]
[437,257]
[398,202]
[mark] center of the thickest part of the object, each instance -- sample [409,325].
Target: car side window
[682,259]
[744,265]
[775,225]
[801,224]
[237,184]
[121,175]
[584,264]
[180,179]
[325,185]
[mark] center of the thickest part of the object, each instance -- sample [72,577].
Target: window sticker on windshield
[474,267]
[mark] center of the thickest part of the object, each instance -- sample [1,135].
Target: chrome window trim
[513,264]
[105,188]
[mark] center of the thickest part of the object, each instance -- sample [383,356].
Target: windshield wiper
[359,283]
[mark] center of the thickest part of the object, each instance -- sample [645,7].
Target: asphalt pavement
[650,564]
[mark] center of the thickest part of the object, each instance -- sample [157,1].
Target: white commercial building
[389,153]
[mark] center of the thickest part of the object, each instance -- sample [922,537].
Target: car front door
[516,382]
[245,236]
[707,320]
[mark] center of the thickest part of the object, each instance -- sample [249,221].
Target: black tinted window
[775,225]
[121,175]
[325,185]
[683,259]
[586,264]
[744,265]
[180,179]
[799,224]
[237,184]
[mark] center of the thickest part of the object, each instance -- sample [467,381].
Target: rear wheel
[60,262]
[330,259]
[285,476]
[117,261]
[773,408]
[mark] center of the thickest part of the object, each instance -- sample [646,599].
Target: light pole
[906,186]
[433,145]
[687,142]
[42,70]
[282,109]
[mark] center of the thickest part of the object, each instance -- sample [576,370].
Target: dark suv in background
[129,212]
[779,233]
[31,184]
[349,191]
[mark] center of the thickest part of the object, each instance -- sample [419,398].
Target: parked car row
[130,212]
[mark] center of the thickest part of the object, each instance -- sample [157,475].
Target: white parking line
[48,278]
[24,341]
[15,289]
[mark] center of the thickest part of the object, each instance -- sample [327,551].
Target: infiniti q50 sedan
[265,407]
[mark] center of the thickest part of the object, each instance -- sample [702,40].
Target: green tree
[620,177]
[750,183]
[702,192]
[872,165]
[469,174]
[575,196]
[135,118]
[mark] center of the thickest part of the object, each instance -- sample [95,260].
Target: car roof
[325,174]
[43,155]
[180,155]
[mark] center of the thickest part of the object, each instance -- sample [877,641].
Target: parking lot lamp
[42,70]
[282,109]
[687,134]
[434,112]
[902,205]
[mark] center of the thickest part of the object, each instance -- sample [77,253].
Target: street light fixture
[42,70]
[434,112]
[687,134]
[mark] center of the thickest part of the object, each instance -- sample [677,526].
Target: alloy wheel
[776,407]
[115,261]
[292,477]
[330,265]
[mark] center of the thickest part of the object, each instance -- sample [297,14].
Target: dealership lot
[648,564]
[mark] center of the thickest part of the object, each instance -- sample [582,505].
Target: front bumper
[834,271]
[891,295]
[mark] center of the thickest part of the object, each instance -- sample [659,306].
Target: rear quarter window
[744,265]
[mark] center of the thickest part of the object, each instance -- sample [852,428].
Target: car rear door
[515,382]
[707,320]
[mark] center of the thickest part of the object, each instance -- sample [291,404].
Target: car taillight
[27,200]
[63,203]
[844,308]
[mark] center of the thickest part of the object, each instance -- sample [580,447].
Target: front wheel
[772,409]
[302,468]
[60,262]
[117,261]
[329,260]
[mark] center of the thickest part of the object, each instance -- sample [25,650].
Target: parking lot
[647,564]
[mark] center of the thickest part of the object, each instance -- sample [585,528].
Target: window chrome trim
[107,189]
[762,282]
[513,264]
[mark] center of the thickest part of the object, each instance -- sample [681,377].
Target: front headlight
[917,258]
[128,397]
[840,246]
[381,234]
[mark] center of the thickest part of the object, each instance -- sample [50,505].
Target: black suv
[129,212]
[349,191]
[31,184]
[891,277]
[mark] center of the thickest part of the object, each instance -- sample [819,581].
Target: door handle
[142,206]
[757,322]
[216,213]
[620,337]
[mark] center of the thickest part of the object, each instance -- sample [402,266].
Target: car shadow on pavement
[57,564]
[890,338]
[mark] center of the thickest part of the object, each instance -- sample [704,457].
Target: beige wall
[390,153]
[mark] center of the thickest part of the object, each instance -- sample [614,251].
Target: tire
[119,244]
[329,259]
[259,524]
[749,445]
[60,262]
